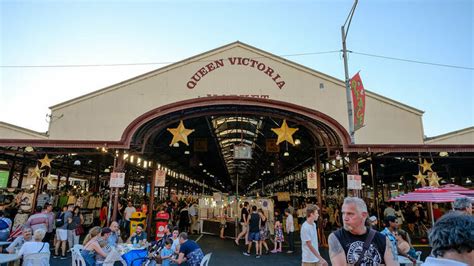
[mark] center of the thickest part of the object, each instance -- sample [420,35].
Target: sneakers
[56,256]
[63,258]
[289,251]
[257,257]
[246,254]
[236,242]
[274,251]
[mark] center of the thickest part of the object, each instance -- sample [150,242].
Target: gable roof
[468,130]
[23,130]
[196,58]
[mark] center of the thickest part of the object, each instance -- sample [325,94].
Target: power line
[285,55]
[412,61]
[142,64]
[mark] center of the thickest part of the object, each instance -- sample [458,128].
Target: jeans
[72,239]
[291,241]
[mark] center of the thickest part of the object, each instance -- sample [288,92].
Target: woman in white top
[36,247]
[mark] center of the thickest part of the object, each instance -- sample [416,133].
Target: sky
[49,33]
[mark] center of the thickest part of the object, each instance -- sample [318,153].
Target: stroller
[148,257]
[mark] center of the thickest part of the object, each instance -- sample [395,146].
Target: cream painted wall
[461,137]
[105,114]
[12,132]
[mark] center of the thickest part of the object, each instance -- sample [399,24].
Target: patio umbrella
[430,195]
[456,188]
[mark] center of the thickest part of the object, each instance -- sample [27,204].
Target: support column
[152,203]
[22,174]
[353,168]
[375,184]
[119,166]
[11,172]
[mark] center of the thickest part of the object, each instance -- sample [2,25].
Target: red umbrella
[429,194]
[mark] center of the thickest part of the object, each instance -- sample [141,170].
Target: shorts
[245,227]
[310,264]
[254,236]
[61,234]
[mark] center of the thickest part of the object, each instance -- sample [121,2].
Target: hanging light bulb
[286,154]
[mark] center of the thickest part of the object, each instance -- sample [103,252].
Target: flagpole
[346,70]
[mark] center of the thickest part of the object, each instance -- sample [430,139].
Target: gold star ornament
[46,161]
[48,179]
[433,179]
[180,134]
[285,133]
[36,172]
[420,178]
[426,166]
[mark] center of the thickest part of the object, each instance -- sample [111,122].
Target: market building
[211,123]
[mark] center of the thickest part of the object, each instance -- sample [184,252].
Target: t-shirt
[353,244]
[128,212]
[38,221]
[138,238]
[175,244]
[254,224]
[66,216]
[33,247]
[166,252]
[244,213]
[290,226]
[309,233]
[188,247]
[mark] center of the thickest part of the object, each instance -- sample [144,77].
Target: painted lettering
[210,67]
[261,66]
[219,63]
[202,71]
[191,84]
[269,72]
[232,60]
[245,61]
[280,84]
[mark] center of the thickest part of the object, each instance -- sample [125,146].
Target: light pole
[344,32]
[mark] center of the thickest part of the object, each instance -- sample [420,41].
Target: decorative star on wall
[180,133]
[426,166]
[37,172]
[46,161]
[420,178]
[285,133]
[433,179]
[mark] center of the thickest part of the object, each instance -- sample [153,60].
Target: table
[4,243]
[4,258]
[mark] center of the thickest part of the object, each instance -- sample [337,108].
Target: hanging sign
[312,180]
[283,196]
[242,151]
[4,179]
[117,179]
[160,178]
[354,182]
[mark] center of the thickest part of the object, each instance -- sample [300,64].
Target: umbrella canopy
[429,194]
[455,188]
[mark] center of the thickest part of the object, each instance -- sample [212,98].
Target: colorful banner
[358,101]
[312,180]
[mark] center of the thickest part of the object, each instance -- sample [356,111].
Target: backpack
[4,225]
[60,220]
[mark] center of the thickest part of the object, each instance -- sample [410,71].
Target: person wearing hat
[373,223]
[463,205]
[391,228]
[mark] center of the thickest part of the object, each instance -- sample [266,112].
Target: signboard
[242,151]
[358,101]
[117,179]
[200,145]
[3,179]
[312,180]
[271,146]
[283,196]
[160,178]
[354,182]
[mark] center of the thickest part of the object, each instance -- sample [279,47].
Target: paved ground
[225,252]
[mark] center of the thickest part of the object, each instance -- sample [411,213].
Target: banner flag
[358,101]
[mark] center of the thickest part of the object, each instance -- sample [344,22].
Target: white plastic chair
[36,259]
[206,259]
[77,259]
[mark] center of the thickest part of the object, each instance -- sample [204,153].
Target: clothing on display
[26,203]
[42,199]
[71,200]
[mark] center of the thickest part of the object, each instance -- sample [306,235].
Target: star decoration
[426,166]
[180,134]
[37,172]
[420,179]
[285,133]
[48,179]
[433,179]
[46,161]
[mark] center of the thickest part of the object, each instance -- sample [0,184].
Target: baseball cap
[372,218]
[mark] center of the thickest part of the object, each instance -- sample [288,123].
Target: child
[223,221]
[278,237]
[167,253]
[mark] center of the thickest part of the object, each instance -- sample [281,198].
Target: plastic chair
[77,259]
[206,259]
[36,259]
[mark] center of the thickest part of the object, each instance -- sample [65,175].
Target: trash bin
[161,220]
[138,218]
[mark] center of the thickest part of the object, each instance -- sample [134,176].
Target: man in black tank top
[346,244]
[254,233]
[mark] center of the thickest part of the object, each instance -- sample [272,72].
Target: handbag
[79,230]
